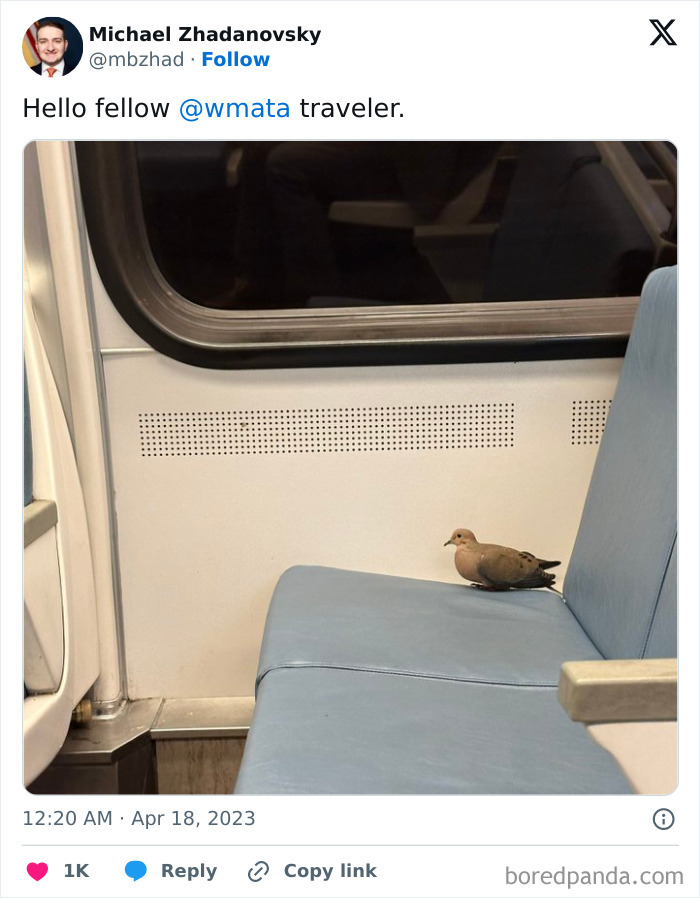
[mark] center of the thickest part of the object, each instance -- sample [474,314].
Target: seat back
[621,580]
[568,230]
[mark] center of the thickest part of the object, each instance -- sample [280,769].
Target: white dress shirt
[59,69]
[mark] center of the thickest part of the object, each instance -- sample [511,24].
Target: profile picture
[52,47]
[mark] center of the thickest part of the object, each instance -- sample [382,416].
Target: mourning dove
[498,567]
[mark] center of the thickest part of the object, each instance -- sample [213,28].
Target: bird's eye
[459,535]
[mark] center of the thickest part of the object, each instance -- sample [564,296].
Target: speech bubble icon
[135,870]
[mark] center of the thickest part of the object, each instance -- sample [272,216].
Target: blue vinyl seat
[374,684]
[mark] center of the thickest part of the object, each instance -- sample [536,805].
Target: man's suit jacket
[66,68]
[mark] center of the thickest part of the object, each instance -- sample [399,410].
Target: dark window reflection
[321,224]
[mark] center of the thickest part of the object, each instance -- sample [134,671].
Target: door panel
[55,480]
[43,615]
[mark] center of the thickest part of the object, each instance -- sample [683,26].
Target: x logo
[663,32]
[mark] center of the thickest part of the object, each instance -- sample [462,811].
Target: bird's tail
[547,564]
[552,588]
[534,580]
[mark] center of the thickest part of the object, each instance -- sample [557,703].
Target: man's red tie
[51,72]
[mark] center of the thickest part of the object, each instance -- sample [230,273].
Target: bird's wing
[501,565]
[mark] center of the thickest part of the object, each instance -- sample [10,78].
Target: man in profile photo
[51,46]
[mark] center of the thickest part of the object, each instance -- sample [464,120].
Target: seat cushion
[324,617]
[320,731]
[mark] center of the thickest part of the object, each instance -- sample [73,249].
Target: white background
[496,70]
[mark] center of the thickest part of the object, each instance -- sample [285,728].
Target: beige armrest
[608,691]
[39,517]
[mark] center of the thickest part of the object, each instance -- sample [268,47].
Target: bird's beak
[448,543]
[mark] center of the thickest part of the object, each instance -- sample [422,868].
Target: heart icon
[37,871]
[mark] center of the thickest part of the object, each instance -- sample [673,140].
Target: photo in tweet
[523,261]
[356,417]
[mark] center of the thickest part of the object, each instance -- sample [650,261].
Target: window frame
[386,335]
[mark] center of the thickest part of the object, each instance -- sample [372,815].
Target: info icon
[663,818]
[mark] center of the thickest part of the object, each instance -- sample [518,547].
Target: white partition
[223,479]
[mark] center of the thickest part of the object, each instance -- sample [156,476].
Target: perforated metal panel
[488,425]
[588,417]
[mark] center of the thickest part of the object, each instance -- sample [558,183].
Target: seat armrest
[477,235]
[39,517]
[613,691]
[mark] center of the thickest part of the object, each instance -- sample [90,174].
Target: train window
[228,254]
